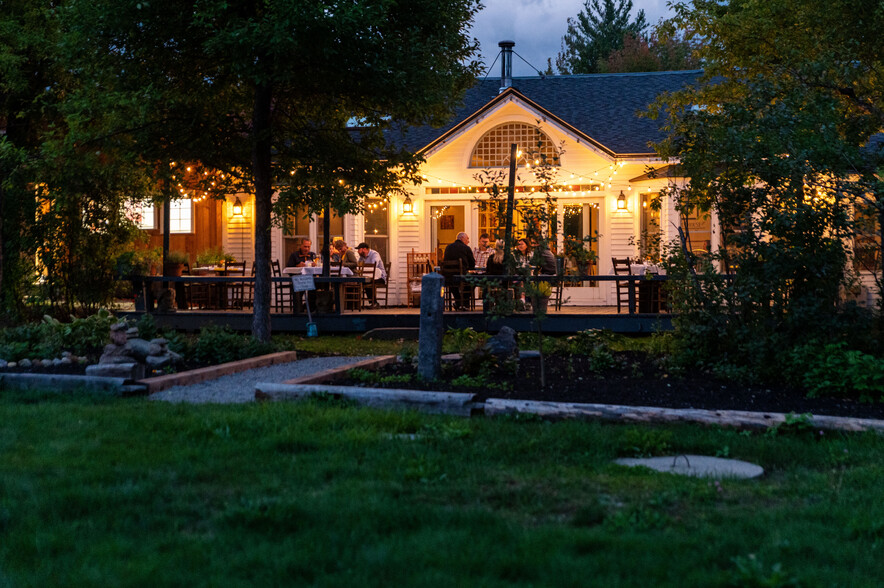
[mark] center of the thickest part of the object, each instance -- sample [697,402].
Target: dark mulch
[636,380]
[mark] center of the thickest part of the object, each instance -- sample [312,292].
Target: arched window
[493,149]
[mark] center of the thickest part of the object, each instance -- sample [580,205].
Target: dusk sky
[537,27]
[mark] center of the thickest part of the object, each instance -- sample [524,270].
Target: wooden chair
[381,290]
[198,295]
[283,294]
[237,290]
[457,291]
[354,293]
[417,265]
[232,294]
[621,268]
[557,286]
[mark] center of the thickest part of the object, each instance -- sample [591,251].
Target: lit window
[181,216]
[493,149]
[142,214]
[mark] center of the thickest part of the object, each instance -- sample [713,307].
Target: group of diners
[342,254]
[491,259]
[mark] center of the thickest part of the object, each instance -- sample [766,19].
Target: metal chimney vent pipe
[506,64]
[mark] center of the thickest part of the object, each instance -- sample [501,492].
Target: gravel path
[241,387]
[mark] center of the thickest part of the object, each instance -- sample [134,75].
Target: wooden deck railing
[642,290]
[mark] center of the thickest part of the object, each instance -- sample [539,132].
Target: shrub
[220,345]
[50,337]
[463,340]
[833,369]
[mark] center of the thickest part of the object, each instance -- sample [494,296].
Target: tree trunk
[262,169]
[2,242]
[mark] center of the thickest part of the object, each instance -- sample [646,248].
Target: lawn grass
[110,492]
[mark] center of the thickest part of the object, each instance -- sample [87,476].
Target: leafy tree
[25,73]
[59,202]
[262,92]
[596,32]
[775,140]
[660,51]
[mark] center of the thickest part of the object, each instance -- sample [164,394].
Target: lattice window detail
[493,149]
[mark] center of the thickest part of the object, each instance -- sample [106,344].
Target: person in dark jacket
[459,250]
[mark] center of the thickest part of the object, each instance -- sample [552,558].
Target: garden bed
[635,379]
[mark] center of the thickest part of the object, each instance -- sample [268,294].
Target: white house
[605,157]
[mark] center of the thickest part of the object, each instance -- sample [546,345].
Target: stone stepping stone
[701,466]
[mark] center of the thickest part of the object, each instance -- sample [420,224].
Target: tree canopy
[779,141]
[261,93]
[596,32]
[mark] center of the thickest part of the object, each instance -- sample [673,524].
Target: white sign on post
[303,282]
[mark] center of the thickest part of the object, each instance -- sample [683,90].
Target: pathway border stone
[158,383]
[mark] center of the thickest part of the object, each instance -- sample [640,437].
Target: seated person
[459,250]
[483,251]
[346,256]
[495,266]
[369,255]
[522,254]
[547,263]
[303,256]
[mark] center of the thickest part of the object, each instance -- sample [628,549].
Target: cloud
[537,27]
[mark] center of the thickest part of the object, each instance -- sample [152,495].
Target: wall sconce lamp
[621,201]
[407,205]
[237,207]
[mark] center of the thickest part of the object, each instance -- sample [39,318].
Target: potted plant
[174,263]
[582,256]
[212,257]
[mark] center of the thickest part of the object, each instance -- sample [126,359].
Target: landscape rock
[25,363]
[129,371]
[127,347]
[140,348]
[3,364]
[157,362]
[503,344]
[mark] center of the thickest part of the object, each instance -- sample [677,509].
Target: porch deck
[570,319]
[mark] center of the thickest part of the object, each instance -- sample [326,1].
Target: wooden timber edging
[647,414]
[340,373]
[454,403]
[463,404]
[67,383]
[159,383]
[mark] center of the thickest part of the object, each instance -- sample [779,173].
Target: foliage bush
[50,337]
[221,344]
[463,340]
[834,369]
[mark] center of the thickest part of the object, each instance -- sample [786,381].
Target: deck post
[429,365]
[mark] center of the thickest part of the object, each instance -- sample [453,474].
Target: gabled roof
[603,108]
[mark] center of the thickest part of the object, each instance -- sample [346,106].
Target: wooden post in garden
[429,359]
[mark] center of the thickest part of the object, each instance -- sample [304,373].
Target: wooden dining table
[334,283]
[649,292]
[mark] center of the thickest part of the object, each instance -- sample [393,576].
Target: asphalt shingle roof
[602,106]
